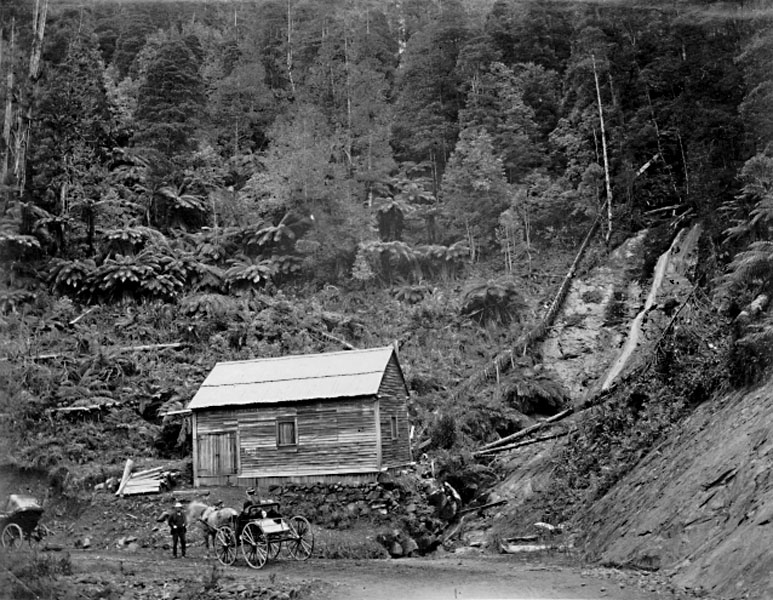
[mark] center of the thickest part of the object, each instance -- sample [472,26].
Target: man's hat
[178,505]
[251,491]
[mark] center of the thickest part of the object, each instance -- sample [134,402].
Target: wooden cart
[20,521]
[262,532]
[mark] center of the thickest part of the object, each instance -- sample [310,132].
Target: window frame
[394,427]
[289,420]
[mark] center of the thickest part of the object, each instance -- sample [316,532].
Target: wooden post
[127,472]
[195,444]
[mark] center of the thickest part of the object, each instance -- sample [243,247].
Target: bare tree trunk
[290,47]
[349,134]
[604,150]
[470,240]
[8,116]
[24,119]
[684,162]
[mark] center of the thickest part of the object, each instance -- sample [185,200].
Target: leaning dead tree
[506,359]
[594,399]
[604,151]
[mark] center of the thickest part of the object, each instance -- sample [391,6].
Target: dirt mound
[15,479]
[700,506]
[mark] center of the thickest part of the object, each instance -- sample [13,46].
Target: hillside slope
[700,505]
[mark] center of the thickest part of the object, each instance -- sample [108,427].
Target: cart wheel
[225,545]
[254,546]
[301,545]
[12,536]
[274,548]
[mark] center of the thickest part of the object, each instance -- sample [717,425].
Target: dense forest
[257,178]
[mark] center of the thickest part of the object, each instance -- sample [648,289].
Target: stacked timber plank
[148,481]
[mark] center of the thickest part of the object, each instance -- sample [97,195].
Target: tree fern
[493,302]
[247,272]
[750,273]
[129,240]
[72,276]
[209,304]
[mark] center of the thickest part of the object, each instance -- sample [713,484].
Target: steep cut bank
[700,505]
[582,342]
[669,283]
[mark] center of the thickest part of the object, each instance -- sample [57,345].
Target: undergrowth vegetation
[689,367]
[87,385]
[30,575]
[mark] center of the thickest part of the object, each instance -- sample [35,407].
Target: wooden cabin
[340,416]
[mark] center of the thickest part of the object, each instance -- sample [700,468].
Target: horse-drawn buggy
[262,532]
[20,521]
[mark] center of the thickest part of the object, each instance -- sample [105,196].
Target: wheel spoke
[255,547]
[225,545]
[12,536]
[302,544]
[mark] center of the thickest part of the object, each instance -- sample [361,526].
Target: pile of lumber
[148,481]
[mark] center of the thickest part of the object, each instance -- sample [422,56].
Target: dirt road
[446,578]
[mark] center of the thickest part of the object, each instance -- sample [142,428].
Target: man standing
[177,524]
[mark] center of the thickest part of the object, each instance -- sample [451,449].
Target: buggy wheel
[254,546]
[225,545]
[12,536]
[274,548]
[301,545]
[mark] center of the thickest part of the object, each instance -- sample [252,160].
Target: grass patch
[26,574]
[352,543]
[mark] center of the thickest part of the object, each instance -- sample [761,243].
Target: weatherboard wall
[334,437]
[348,438]
[393,417]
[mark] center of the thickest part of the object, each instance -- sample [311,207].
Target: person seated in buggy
[256,508]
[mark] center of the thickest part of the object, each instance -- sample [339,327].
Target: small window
[393,426]
[286,433]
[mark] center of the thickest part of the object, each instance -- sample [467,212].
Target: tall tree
[136,24]
[72,128]
[171,100]
[474,191]
[530,31]
[496,102]
[428,96]
[21,91]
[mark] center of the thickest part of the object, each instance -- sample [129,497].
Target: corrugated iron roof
[293,378]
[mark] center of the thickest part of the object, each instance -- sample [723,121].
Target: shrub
[444,434]
[37,575]
[333,543]
[497,302]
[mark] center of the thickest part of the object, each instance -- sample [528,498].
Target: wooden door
[217,454]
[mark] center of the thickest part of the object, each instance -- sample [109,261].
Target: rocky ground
[145,575]
[700,507]
[103,546]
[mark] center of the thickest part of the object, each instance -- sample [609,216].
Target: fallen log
[333,338]
[471,509]
[498,449]
[140,348]
[453,531]
[528,431]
